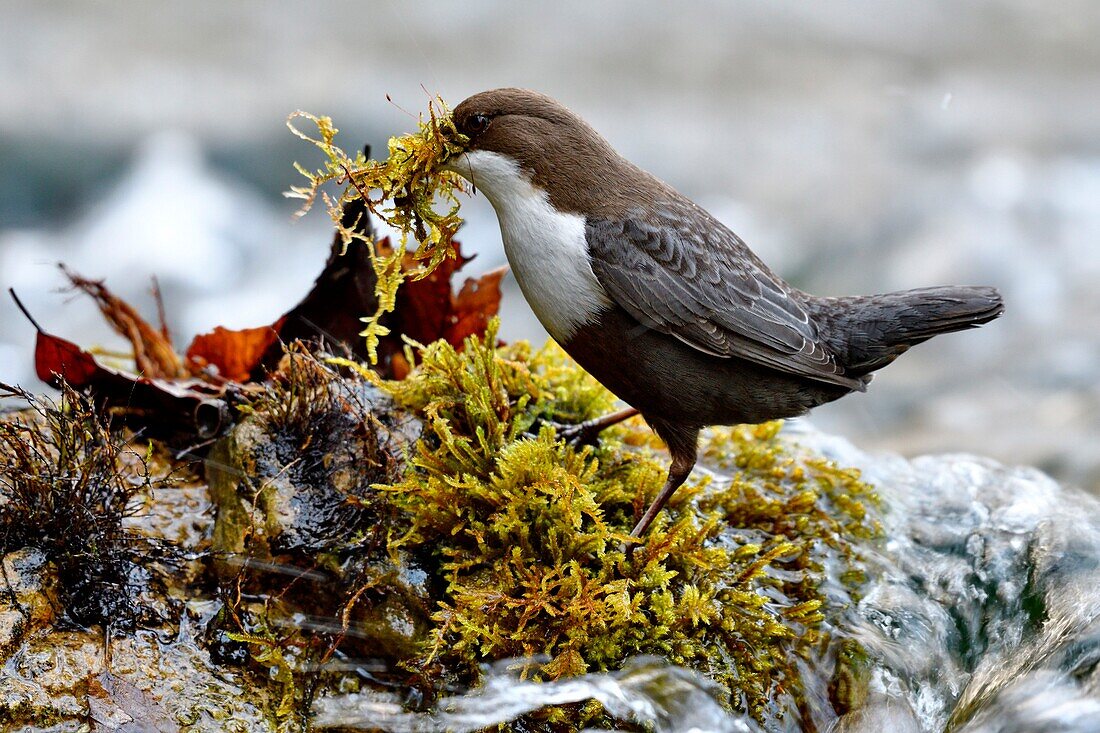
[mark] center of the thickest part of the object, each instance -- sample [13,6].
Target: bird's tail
[867,332]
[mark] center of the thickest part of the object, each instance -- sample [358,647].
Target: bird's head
[517,135]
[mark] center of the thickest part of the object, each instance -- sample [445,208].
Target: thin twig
[26,312]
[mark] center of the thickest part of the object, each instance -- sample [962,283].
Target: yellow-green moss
[414,196]
[528,531]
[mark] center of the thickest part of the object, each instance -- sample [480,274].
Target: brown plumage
[669,309]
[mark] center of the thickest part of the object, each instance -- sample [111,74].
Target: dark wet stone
[304,489]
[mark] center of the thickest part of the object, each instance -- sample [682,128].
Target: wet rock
[983,612]
[115,704]
[144,683]
[293,488]
[298,479]
[980,611]
[391,619]
[27,597]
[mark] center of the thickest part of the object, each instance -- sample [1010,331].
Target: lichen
[528,533]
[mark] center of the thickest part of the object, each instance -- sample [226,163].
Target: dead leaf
[118,705]
[429,309]
[57,360]
[343,292]
[176,403]
[183,393]
[475,305]
[426,309]
[154,355]
[235,354]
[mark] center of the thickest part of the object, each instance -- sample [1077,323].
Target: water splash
[647,691]
[983,611]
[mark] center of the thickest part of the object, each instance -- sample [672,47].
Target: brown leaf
[177,392]
[340,296]
[475,304]
[399,366]
[118,705]
[56,359]
[175,404]
[426,309]
[429,309]
[235,354]
[154,355]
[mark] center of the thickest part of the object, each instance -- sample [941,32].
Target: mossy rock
[64,679]
[28,597]
[736,579]
[438,524]
[293,478]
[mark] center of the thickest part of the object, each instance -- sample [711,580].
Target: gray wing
[702,284]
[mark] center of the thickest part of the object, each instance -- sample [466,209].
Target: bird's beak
[455,145]
[459,164]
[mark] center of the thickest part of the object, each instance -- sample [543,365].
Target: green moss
[528,532]
[423,199]
[281,658]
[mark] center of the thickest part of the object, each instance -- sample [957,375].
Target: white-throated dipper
[658,300]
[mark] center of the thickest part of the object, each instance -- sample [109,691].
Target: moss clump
[67,483]
[528,531]
[411,181]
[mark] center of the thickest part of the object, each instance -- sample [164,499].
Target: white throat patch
[545,247]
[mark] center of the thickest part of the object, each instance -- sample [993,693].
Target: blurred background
[857,146]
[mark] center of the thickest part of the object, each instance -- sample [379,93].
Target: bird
[662,303]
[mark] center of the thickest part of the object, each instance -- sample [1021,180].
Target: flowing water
[981,615]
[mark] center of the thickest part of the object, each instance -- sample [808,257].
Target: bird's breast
[549,256]
[546,248]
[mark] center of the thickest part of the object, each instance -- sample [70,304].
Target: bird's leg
[677,474]
[585,433]
[683,446]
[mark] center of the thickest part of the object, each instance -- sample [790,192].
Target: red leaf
[174,403]
[234,353]
[475,304]
[424,307]
[56,359]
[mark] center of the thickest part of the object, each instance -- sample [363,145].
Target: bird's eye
[478,123]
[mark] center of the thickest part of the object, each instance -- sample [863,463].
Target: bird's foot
[578,434]
[575,434]
[587,432]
